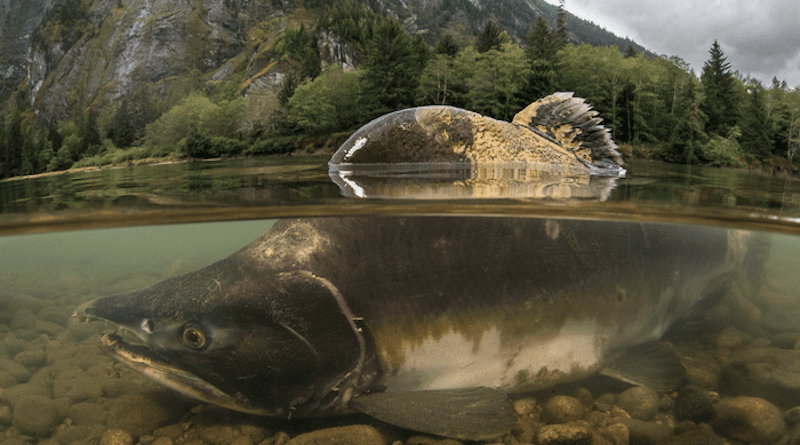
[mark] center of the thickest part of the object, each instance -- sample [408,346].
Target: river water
[69,238]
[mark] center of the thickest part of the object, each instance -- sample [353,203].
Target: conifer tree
[720,102]
[447,45]
[755,125]
[392,69]
[490,37]
[561,36]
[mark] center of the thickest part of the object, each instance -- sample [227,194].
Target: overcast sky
[760,38]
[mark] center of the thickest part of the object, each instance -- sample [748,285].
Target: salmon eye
[194,337]
[147,325]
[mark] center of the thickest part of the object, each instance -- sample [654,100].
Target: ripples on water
[57,385]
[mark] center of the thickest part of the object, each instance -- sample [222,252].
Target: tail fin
[573,124]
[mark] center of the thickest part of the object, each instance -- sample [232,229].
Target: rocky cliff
[65,56]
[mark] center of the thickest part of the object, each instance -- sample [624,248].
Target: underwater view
[263,301]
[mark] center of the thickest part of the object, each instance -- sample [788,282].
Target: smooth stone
[142,413]
[785,340]
[695,404]
[116,437]
[17,392]
[749,419]
[20,372]
[6,416]
[173,431]
[562,409]
[523,407]
[35,415]
[218,434]
[792,416]
[23,320]
[86,413]
[7,380]
[351,435]
[163,440]
[640,402]
[646,433]
[32,358]
[771,374]
[48,328]
[702,434]
[616,433]
[572,433]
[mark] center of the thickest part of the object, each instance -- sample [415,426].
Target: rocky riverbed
[743,364]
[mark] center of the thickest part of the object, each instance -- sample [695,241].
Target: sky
[760,38]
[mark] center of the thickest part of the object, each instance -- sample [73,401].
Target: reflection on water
[300,186]
[741,357]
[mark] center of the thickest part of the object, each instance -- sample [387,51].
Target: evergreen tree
[447,46]
[720,102]
[490,37]
[755,126]
[122,132]
[391,70]
[541,52]
[541,41]
[688,136]
[14,143]
[630,51]
[561,37]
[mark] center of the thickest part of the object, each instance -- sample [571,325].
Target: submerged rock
[749,419]
[771,373]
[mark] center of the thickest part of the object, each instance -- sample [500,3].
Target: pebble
[523,407]
[771,373]
[616,434]
[141,413]
[35,415]
[701,434]
[640,402]
[749,419]
[574,433]
[792,416]
[562,409]
[116,437]
[351,435]
[646,433]
[693,403]
[17,370]
[87,413]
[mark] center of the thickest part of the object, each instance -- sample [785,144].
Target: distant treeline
[657,106]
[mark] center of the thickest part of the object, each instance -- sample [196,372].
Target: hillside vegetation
[308,77]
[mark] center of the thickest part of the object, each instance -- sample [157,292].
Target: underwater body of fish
[401,317]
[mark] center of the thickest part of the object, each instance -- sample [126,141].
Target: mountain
[67,56]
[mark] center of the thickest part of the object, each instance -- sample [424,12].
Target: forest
[656,107]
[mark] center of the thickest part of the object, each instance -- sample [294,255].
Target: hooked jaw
[143,359]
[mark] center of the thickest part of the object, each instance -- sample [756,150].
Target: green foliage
[328,103]
[351,19]
[447,46]
[489,38]
[724,151]
[392,69]
[721,101]
[300,44]
[497,80]
[755,134]
[198,145]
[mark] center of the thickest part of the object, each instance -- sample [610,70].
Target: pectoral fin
[467,414]
[651,364]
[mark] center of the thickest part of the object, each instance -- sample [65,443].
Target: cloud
[759,38]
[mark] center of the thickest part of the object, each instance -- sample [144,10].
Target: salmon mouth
[130,348]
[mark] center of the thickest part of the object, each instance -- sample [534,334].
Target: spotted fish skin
[320,310]
[560,131]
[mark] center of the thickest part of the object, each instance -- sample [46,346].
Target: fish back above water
[319,313]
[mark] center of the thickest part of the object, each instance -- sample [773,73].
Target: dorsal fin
[572,123]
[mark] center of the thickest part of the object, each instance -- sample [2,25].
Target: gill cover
[251,341]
